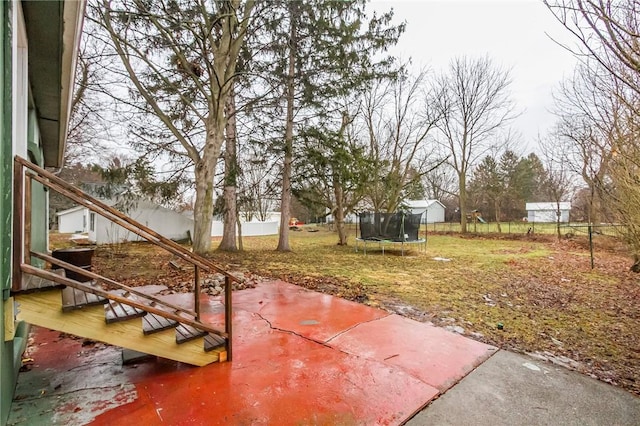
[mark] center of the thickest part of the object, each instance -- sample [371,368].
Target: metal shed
[433,210]
[548,212]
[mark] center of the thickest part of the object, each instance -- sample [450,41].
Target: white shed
[73,220]
[548,212]
[166,222]
[432,210]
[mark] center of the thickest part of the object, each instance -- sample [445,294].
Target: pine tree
[319,51]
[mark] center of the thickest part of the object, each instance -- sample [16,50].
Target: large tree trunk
[285,199]
[203,208]
[228,242]
[204,173]
[240,245]
[558,221]
[498,213]
[462,196]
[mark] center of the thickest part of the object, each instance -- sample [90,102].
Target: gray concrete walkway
[512,389]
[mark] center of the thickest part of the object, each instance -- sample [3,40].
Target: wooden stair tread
[152,323]
[213,341]
[185,333]
[72,298]
[116,311]
[44,309]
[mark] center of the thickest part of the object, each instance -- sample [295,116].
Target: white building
[72,220]
[432,210]
[548,212]
[166,222]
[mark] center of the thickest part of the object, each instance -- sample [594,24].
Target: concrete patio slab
[314,315]
[434,355]
[512,389]
[283,371]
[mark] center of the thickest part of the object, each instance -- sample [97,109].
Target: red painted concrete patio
[300,357]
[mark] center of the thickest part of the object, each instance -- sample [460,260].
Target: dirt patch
[329,285]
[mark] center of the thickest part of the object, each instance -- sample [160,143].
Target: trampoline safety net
[397,227]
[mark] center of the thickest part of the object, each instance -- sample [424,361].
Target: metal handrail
[22,252]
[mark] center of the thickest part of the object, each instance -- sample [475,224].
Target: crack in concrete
[90,366]
[356,325]
[58,394]
[271,326]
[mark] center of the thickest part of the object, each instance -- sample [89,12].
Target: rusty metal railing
[25,172]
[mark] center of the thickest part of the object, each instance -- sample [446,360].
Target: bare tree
[398,131]
[588,117]
[258,187]
[625,177]
[90,118]
[607,31]
[559,181]
[180,58]
[474,106]
[439,183]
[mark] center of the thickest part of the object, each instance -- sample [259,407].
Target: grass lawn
[543,291]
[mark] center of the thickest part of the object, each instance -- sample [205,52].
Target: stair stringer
[44,309]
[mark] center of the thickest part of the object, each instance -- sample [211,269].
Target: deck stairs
[98,308]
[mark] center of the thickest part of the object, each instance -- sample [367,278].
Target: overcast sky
[514,33]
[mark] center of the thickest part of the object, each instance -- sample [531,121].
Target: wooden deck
[45,309]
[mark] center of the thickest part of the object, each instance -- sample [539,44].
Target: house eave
[53,33]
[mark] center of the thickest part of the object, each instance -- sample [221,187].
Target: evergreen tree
[318,51]
[336,172]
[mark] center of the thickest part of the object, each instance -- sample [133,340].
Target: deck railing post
[27,218]
[18,187]
[197,292]
[227,314]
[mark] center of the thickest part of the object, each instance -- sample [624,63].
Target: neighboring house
[74,219]
[166,222]
[548,212]
[39,42]
[432,210]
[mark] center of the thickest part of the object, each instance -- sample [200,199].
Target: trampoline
[389,228]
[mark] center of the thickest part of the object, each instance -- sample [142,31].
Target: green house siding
[48,32]
[7,365]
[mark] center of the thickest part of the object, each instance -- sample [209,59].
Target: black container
[77,256]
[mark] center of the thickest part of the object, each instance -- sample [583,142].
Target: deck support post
[227,313]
